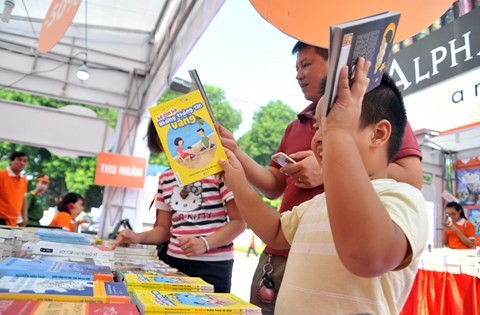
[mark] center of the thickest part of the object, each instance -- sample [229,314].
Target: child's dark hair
[319,50]
[200,129]
[386,102]
[69,197]
[457,207]
[177,140]
[153,142]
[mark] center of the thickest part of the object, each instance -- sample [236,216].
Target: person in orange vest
[13,187]
[69,207]
[459,233]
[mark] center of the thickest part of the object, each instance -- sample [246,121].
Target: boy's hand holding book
[345,112]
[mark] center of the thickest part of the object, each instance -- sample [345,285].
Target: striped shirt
[197,210]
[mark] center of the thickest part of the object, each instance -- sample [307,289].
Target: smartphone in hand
[282,159]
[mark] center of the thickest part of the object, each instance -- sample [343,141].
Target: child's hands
[126,237]
[234,175]
[345,113]
[192,246]
[226,137]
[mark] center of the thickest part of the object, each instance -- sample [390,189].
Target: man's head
[383,118]
[312,66]
[18,161]
[201,132]
[42,183]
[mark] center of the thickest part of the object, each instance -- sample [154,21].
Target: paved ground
[243,269]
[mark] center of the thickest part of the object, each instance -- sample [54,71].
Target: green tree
[268,126]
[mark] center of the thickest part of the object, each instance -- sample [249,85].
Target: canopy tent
[132,49]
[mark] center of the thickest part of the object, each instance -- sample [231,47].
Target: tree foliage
[268,126]
[78,174]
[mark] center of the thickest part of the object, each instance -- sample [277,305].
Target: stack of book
[12,307]
[136,252]
[60,236]
[10,241]
[465,261]
[166,283]
[67,250]
[160,302]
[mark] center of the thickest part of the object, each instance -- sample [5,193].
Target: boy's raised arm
[260,217]
[367,241]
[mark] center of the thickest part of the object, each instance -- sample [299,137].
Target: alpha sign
[449,51]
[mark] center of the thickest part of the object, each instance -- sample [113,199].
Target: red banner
[120,170]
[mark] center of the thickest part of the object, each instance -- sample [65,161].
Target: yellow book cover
[37,289]
[166,283]
[188,136]
[157,302]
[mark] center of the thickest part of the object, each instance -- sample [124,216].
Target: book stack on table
[457,261]
[71,278]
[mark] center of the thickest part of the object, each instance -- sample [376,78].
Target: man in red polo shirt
[13,189]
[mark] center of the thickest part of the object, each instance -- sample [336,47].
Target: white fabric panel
[73,133]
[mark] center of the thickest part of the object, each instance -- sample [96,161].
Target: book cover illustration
[35,268]
[166,283]
[36,289]
[152,302]
[188,137]
[371,38]
[12,307]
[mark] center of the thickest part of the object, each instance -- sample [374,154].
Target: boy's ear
[381,132]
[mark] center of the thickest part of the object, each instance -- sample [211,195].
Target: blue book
[34,268]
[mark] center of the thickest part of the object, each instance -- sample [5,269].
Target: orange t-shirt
[467,228]
[63,219]
[12,195]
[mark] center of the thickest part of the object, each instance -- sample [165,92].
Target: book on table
[191,143]
[13,307]
[37,268]
[166,283]
[75,260]
[371,38]
[36,289]
[157,302]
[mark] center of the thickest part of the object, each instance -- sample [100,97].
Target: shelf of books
[45,271]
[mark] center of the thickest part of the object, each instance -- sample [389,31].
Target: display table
[441,292]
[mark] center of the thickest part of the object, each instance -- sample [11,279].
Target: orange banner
[120,170]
